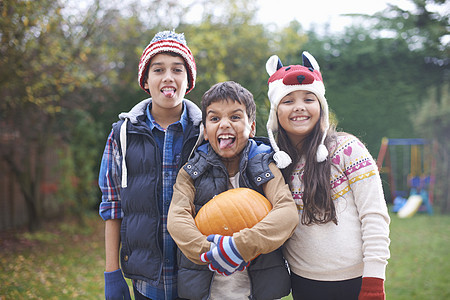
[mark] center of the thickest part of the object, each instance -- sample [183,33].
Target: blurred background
[68,68]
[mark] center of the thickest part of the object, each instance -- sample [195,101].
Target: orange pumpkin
[232,211]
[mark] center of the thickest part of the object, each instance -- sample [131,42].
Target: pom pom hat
[167,41]
[284,80]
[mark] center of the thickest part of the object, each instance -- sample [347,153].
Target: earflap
[309,61]
[273,64]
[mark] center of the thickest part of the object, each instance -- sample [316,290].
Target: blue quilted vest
[268,273]
[141,251]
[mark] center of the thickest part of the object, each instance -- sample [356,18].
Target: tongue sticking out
[169,93]
[225,143]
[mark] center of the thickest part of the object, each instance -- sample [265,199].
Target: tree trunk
[34,218]
[443,177]
[28,172]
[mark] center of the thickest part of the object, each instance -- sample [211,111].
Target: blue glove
[115,286]
[225,258]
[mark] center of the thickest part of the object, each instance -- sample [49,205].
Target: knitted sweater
[359,244]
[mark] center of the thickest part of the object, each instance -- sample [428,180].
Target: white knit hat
[284,80]
[168,41]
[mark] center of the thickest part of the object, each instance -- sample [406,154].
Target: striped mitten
[225,258]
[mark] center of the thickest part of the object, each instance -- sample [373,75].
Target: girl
[341,246]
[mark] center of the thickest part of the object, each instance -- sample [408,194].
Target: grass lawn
[66,261]
[419,267]
[62,261]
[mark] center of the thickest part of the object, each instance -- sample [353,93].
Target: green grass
[62,261]
[66,261]
[419,267]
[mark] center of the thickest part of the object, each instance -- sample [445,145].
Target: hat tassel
[282,159]
[322,151]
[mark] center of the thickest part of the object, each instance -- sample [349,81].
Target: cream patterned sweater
[359,244]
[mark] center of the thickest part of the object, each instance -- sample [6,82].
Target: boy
[232,158]
[143,154]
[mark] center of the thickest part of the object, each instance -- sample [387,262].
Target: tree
[230,46]
[44,69]
[33,80]
[433,121]
[425,30]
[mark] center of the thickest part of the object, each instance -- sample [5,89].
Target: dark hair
[229,90]
[318,206]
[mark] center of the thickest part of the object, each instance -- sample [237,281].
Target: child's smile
[299,118]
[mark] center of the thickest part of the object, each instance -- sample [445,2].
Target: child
[343,236]
[143,154]
[232,158]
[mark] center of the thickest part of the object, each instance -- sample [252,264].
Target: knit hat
[167,41]
[284,80]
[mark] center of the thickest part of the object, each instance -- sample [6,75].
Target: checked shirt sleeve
[109,181]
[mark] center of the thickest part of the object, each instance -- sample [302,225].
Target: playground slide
[411,206]
[399,202]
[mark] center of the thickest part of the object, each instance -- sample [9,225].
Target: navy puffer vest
[141,252]
[268,273]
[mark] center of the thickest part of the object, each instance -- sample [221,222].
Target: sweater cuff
[374,269]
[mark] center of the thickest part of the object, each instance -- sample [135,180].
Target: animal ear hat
[167,41]
[284,80]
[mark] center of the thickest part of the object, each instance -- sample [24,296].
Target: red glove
[372,289]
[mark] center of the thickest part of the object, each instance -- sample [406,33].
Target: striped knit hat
[284,80]
[167,41]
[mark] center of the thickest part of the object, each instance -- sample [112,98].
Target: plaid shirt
[170,142]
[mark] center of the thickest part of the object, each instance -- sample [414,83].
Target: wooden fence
[13,209]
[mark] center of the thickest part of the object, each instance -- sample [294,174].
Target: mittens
[116,287]
[372,289]
[225,258]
